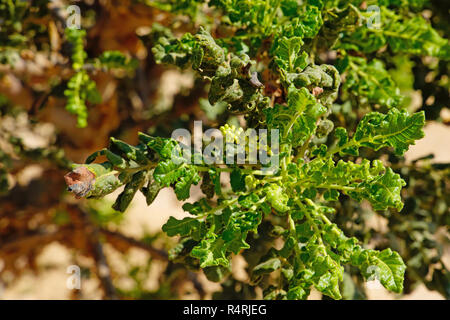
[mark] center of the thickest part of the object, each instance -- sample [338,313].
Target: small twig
[193,277]
[32,237]
[156,253]
[57,10]
[103,270]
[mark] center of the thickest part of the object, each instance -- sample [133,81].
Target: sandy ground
[51,282]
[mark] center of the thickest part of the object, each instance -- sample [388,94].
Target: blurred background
[44,230]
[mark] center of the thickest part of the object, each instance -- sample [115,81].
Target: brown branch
[101,264]
[156,253]
[103,270]
[28,239]
[193,277]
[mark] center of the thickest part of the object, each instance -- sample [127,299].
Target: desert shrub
[332,84]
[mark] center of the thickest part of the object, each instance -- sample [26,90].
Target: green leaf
[267,266]
[167,172]
[238,226]
[336,22]
[396,129]
[237,180]
[387,266]
[125,197]
[182,175]
[256,15]
[234,238]
[371,83]
[198,207]
[128,151]
[185,227]
[298,293]
[211,252]
[248,201]
[277,197]
[183,186]
[165,148]
[380,185]
[287,55]
[384,192]
[115,60]
[331,195]
[151,190]
[305,25]
[414,36]
[216,273]
[116,160]
[297,121]
[329,284]
[169,50]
